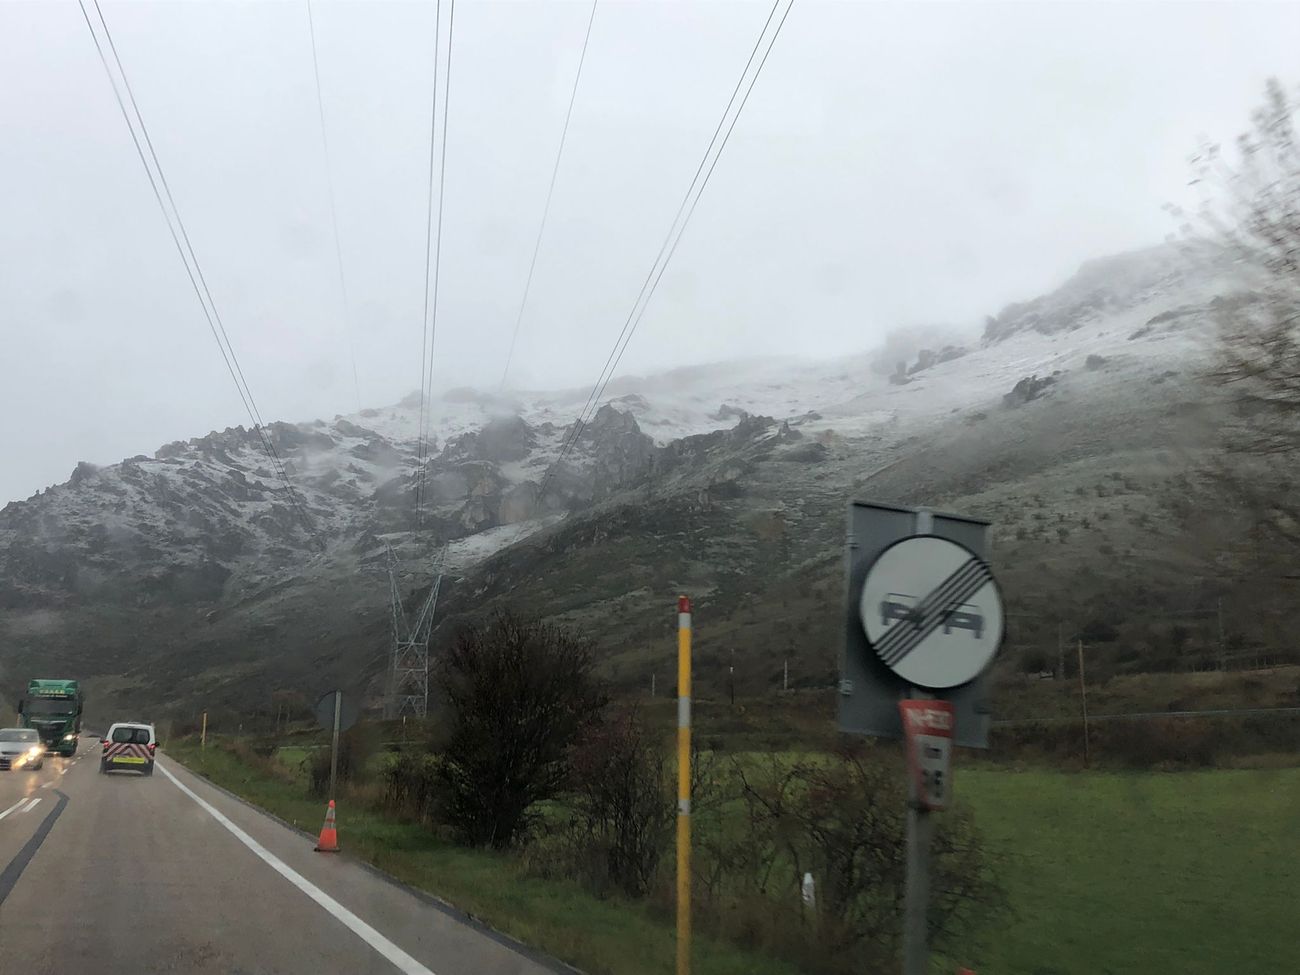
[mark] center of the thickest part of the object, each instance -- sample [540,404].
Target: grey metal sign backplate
[869,691]
[348,711]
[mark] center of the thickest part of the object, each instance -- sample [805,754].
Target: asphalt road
[121,873]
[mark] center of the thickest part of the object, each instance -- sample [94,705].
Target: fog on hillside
[772,487]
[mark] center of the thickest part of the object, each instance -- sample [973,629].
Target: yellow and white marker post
[683,785]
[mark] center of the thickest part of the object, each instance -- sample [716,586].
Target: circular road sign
[931,612]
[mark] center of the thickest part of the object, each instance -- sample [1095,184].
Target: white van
[129,746]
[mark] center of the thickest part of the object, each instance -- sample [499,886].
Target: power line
[663,247]
[675,232]
[694,203]
[193,269]
[546,209]
[598,387]
[334,218]
[428,262]
[667,248]
[431,306]
[188,255]
[442,180]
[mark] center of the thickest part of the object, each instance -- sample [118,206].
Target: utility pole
[1060,650]
[731,676]
[1083,692]
[683,786]
[1223,649]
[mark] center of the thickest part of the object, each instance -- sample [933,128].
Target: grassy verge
[561,919]
[1190,872]
[1106,872]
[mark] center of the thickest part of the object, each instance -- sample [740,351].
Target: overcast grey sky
[897,163]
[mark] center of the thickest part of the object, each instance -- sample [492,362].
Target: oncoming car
[129,746]
[21,748]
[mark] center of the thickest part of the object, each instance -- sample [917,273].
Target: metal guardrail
[313,747]
[1147,715]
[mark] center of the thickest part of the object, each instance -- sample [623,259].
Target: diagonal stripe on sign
[957,594]
[971,583]
[931,611]
[918,614]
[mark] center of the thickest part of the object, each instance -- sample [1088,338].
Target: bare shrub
[356,748]
[411,787]
[520,693]
[840,818]
[624,802]
[617,823]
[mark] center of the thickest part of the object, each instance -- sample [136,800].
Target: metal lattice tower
[408,677]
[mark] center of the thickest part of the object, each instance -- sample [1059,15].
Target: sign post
[334,741]
[337,712]
[927,727]
[683,786]
[916,895]
[1083,693]
[923,621]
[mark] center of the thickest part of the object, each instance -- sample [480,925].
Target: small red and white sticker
[927,732]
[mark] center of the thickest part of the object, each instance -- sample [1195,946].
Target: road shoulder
[416,923]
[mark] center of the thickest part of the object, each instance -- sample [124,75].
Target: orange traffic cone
[329,836]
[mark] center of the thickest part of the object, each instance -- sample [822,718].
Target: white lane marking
[13,807]
[46,785]
[400,959]
[63,771]
[30,806]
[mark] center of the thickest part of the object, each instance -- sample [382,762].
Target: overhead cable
[433,238]
[550,191]
[334,217]
[675,231]
[193,269]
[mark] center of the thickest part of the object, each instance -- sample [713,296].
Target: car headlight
[33,751]
[68,737]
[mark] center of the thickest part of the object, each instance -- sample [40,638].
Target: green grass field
[1191,873]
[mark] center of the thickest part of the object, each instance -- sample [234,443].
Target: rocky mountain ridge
[1107,285]
[727,478]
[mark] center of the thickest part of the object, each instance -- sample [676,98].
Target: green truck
[53,708]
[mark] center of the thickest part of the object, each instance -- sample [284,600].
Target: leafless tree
[1251,207]
[520,694]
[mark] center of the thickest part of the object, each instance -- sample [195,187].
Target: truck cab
[53,709]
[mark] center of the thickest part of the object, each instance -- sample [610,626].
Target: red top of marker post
[683,604]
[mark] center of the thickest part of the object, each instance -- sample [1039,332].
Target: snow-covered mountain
[205,526]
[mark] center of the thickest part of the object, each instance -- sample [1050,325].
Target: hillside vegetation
[1079,427]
